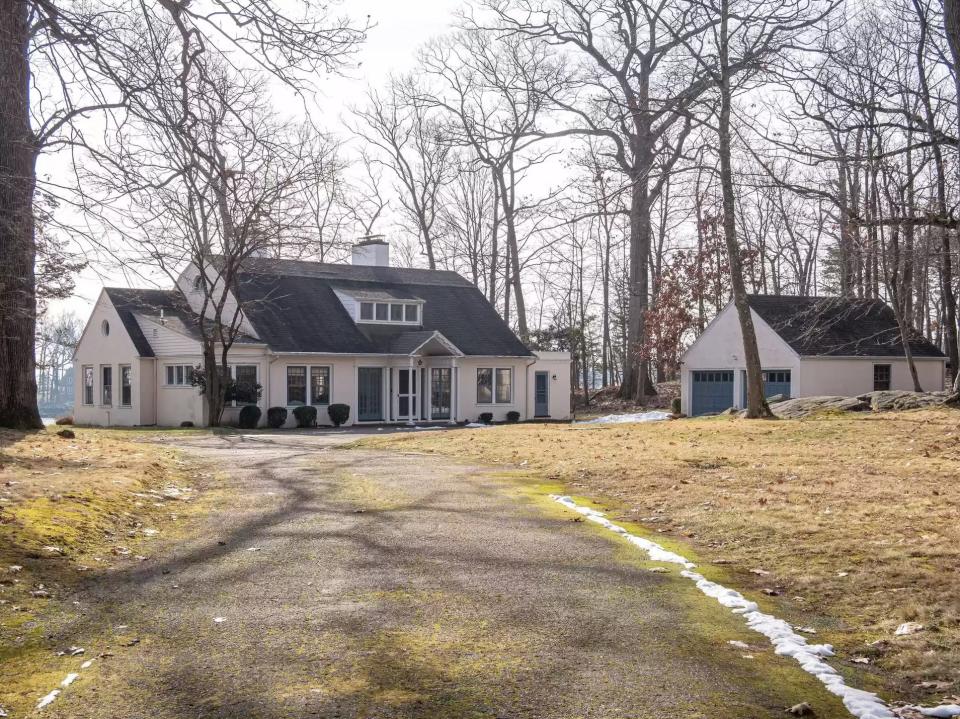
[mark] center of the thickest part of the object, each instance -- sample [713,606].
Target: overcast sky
[402,26]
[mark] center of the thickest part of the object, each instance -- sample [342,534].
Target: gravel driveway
[337,582]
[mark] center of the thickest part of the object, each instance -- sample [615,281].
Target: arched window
[105,328]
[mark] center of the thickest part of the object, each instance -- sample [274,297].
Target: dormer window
[390,312]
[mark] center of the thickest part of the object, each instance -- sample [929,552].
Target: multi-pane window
[245,384]
[881,377]
[494,385]
[126,385]
[504,386]
[399,312]
[87,384]
[320,385]
[296,386]
[777,376]
[106,385]
[179,375]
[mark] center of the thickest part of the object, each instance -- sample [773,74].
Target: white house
[809,346]
[395,344]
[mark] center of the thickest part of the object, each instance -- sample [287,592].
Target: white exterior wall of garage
[720,347]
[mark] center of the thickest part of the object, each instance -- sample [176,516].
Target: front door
[407,394]
[541,395]
[440,386]
[370,394]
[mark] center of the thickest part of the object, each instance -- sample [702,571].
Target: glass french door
[440,392]
[407,393]
[370,394]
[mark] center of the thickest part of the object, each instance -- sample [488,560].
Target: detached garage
[809,346]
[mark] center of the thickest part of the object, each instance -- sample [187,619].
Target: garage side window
[881,377]
[88,384]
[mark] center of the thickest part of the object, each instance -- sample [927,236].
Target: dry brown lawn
[71,509]
[849,521]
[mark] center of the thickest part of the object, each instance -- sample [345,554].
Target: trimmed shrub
[675,405]
[513,416]
[305,415]
[187,424]
[339,414]
[250,417]
[486,417]
[276,417]
[67,434]
[64,420]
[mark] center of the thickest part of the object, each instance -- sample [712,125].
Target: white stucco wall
[97,350]
[344,372]
[557,367]
[847,377]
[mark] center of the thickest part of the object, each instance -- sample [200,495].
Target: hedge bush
[276,417]
[486,417]
[250,417]
[306,415]
[339,414]
[513,416]
[675,405]
[64,420]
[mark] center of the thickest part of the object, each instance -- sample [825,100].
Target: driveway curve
[343,582]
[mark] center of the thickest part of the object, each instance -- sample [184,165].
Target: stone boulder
[897,400]
[804,406]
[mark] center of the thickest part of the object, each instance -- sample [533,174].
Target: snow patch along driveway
[786,642]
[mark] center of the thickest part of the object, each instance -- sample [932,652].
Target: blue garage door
[712,391]
[775,382]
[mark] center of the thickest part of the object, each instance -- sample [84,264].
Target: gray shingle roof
[293,307]
[838,326]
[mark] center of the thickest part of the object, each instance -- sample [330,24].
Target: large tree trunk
[756,402]
[513,253]
[635,369]
[18,250]
[951,22]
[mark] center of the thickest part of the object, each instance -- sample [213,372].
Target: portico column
[411,396]
[427,388]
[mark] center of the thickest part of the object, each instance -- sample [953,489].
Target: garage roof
[838,326]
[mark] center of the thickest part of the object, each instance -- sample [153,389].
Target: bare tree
[496,90]
[64,61]
[414,147]
[210,193]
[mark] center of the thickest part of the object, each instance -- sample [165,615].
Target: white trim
[438,336]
